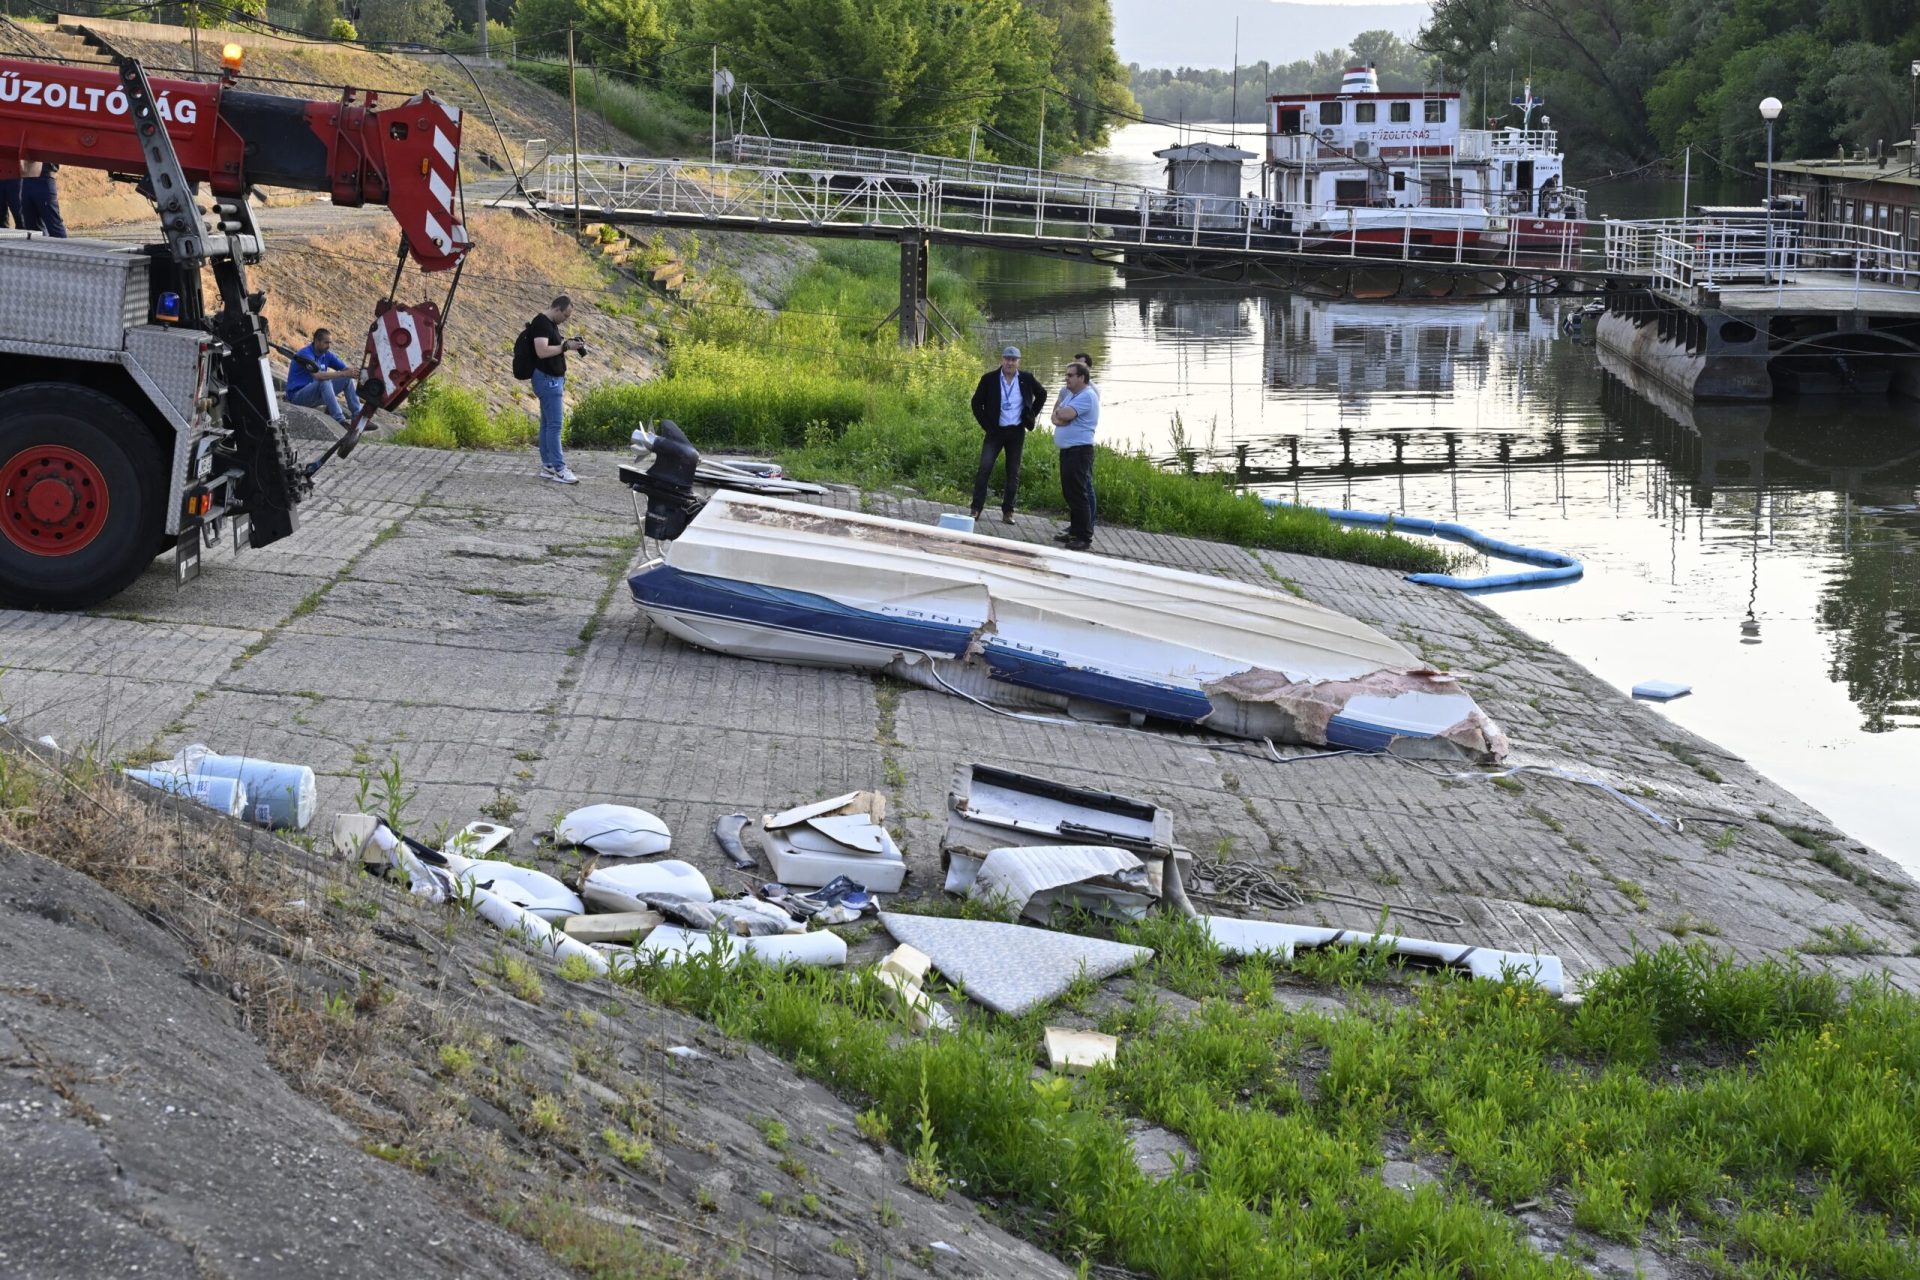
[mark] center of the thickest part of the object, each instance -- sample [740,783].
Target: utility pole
[973,141]
[193,34]
[713,110]
[1686,182]
[573,102]
[480,26]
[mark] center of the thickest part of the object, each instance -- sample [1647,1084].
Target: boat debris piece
[1270,937]
[904,972]
[222,795]
[478,839]
[1031,881]
[838,839]
[1661,690]
[727,831]
[613,831]
[1021,625]
[281,796]
[1010,968]
[1078,1052]
[527,887]
[624,886]
[990,808]
[955,521]
[672,944]
[612,926]
[375,845]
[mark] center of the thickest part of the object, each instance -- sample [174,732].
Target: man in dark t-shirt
[550,385]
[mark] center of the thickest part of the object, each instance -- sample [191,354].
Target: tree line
[940,76]
[1628,82]
[1200,94]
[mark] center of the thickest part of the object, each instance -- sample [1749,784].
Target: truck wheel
[83,489]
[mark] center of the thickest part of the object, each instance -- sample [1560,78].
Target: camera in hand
[580,346]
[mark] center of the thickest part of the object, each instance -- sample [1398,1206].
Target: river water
[1767,555]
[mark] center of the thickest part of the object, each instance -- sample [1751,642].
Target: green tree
[622,34]
[403,21]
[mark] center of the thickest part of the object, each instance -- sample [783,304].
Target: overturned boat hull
[1015,624]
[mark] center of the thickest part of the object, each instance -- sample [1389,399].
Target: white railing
[1506,144]
[979,211]
[788,153]
[1788,257]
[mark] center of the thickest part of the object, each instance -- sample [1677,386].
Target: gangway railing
[790,153]
[1790,257]
[971,210]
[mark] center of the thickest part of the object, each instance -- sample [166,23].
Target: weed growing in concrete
[635,1153]
[576,969]
[1687,756]
[519,975]
[1842,940]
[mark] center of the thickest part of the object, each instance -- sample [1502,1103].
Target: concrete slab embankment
[457,616]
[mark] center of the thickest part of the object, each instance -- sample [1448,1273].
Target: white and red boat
[1394,173]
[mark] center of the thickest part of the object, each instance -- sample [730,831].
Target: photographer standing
[550,384]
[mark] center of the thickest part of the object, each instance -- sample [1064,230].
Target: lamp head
[1770,108]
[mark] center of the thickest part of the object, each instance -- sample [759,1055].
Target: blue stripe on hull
[778,608]
[1051,675]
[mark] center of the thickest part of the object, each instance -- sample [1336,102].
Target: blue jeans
[552,394]
[40,206]
[321,395]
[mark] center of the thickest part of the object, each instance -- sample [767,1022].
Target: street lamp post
[1769,111]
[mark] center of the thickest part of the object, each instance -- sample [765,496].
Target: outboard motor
[667,483]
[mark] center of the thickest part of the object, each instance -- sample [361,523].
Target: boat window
[1506,171]
[1399,182]
[1330,112]
[1363,112]
[1436,110]
[1400,112]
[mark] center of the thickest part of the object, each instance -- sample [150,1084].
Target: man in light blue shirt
[1076,416]
[319,379]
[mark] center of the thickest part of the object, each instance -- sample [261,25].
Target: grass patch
[441,415]
[1842,940]
[1795,1157]
[1687,756]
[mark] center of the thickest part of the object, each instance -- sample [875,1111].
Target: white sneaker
[562,474]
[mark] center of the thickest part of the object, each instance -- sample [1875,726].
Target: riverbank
[447,637]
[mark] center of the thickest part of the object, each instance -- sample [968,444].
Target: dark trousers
[40,205]
[1012,440]
[1076,486]
[10,211]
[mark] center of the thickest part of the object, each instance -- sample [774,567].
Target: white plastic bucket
[222,795]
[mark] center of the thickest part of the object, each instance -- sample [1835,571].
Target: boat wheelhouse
[1398,172]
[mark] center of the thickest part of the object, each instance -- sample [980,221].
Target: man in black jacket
[1005,405]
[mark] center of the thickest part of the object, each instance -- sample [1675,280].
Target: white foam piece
[673,944]
[1271,937]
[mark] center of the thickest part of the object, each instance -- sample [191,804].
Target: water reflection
[1765,554]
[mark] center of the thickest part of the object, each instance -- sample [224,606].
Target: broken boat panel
[763,578]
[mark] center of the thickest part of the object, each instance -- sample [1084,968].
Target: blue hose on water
[1555,568]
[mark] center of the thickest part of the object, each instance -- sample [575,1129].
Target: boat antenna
[1233,112]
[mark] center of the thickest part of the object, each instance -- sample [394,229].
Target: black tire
[125,459]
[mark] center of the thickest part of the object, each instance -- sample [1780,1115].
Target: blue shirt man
[327,384]
[1076,415]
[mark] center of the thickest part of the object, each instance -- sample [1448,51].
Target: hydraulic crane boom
[86,427]
[406,156]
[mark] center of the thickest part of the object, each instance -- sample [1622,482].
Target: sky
[1199,33]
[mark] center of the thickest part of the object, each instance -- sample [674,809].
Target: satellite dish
[723,82]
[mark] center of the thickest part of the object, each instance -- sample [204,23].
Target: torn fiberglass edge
[1021,625]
